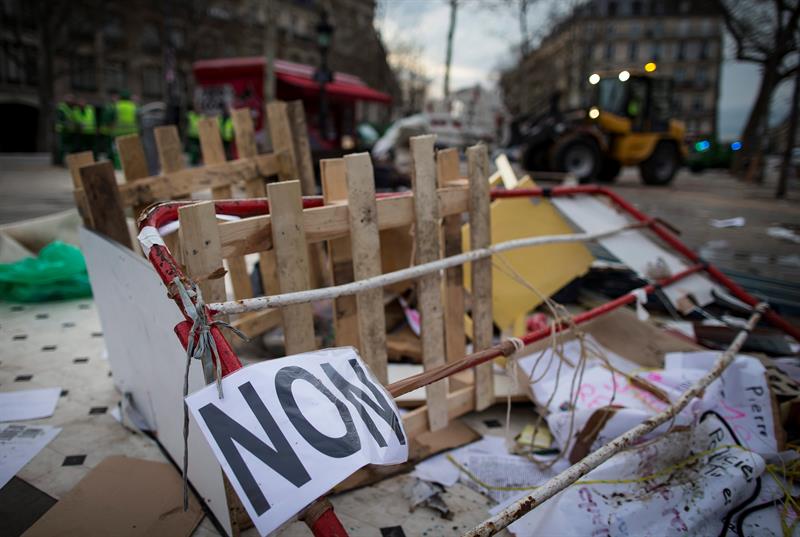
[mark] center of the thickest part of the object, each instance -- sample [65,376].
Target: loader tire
[580,157]
[661,167]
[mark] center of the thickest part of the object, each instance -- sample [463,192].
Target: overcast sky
[485,36]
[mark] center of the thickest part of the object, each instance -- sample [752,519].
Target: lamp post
[323,75]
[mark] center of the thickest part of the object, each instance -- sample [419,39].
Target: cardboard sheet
[123,497]
[634,248]
[24,405]
[547,268]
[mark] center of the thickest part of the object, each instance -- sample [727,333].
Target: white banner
[288,430]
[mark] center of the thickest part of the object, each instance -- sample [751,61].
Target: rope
[200,346]
[416,271]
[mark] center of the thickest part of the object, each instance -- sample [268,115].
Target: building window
[82,75]
[636,8]
[655,51]
[152,81]
[701,77]
[115,76]
[682,50]
[633,50]
[610,51]
[612,9]
[680,74]
[150,38]
[697,103]
[704,49]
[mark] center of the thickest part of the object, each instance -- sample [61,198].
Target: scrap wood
[592,461]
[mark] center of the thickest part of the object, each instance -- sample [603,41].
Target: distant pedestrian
[226,128]
[193,135]
[66,128]
[87,122]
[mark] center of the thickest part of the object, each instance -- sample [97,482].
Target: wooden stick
[252,235]
[366,250]
[213,152]
[202,253]
[102,201]
[480,231]
[340,258]
[291,255]
[326,293]
[134,165]
[429,286]
[75,161]
[447,165]
[590,462]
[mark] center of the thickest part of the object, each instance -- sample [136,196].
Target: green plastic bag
[58,273]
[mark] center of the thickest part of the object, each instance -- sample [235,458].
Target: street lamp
[323,75]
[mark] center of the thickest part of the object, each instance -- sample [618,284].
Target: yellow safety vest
[64,118]
[126,118]
[227,130]
[193,125]
[86,119]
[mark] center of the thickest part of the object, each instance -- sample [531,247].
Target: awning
[337,88]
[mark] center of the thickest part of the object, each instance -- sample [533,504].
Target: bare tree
[791,139]
[451,30]
[764,32]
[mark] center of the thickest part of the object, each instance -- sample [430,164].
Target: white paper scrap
[288,430]
[28,404]
[19,444]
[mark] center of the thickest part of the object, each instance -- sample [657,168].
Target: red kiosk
[222,84]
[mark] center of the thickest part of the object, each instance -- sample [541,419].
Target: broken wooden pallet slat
[340,259]
[202,252]
[103,202]
[291,254]
[134,165]
[251,235]
[366,249]
[74,162]
[429,290]
[481,237]
[213,152]
[447,164]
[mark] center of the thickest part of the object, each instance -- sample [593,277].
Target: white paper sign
[288,430]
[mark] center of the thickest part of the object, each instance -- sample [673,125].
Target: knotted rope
[200,346]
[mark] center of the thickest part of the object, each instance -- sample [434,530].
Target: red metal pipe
[664,234]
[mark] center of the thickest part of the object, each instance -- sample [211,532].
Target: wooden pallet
[351,224]
[103,204]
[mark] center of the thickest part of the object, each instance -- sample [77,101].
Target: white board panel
[146,357]
[633,247]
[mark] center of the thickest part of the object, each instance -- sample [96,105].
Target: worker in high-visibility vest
[226,130]
[105,127]
[125,115]
[87,122]
[193,135]
[66,128]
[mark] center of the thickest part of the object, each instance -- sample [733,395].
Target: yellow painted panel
[547,268]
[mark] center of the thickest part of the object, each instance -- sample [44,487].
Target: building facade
[683,38]
[147,47]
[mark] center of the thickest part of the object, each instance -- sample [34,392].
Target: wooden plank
[170,151]
[429,290]
[447,164]
[134,165]
[214,153]
[102,200]
[340,260]
[458,403]
[481,237]
[333,221]
[304,164]
[366,247]
[201,249]
[291,254]
[255,188]
[244,133]
[75,161]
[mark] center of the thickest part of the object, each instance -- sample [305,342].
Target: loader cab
[632,103]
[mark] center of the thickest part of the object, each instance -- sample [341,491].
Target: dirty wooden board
[429,290]
[366,251]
